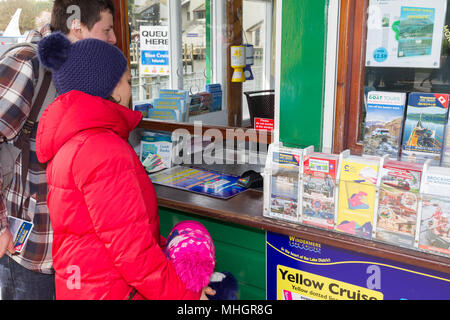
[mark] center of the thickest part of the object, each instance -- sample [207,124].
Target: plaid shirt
[19,71]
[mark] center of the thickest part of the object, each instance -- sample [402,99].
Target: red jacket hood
[76,111]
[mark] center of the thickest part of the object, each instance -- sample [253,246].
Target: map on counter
[205,182]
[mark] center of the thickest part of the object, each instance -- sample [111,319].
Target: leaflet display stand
[282,183]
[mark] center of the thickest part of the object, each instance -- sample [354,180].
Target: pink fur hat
[192,252]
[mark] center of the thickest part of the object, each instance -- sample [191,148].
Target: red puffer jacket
[103,207]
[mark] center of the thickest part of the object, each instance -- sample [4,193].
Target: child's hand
[207,291]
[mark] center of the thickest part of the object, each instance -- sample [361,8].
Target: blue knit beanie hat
[91,66]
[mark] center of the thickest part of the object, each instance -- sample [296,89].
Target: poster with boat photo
[424,128]
[405,33]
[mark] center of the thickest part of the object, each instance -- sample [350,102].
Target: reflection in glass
[143,13]
[19,17]
[411,79]
[194,44]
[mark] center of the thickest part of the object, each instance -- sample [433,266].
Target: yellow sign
[298,285]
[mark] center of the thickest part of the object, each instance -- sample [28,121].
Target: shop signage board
[405,33]
[299,269]
[154,42]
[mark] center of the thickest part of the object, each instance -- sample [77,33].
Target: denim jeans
[19,283]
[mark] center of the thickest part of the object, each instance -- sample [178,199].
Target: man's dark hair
[89,13]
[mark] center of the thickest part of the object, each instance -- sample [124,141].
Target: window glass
[194,44]
[402,55]
[19,17]
[258,25]
[148,17]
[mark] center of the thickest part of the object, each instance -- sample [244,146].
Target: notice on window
[405,33]
[154,41]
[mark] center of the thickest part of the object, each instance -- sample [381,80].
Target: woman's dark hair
[89,13]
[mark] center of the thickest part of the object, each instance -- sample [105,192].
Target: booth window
[142,16]
[258,22]
[422,65]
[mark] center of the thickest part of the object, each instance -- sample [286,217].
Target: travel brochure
[434,232]
[285,166]
[398,206]
[319,189]
[372,197]
[424,127]
[357,195]
[178,105]
[384,121]
[413,131]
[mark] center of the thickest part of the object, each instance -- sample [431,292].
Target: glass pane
[148,17]
[194,16]
[19,17]
[254,22]
[407,50]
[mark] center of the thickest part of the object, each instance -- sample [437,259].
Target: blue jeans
[19,283]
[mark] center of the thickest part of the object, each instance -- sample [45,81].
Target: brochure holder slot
[292,193]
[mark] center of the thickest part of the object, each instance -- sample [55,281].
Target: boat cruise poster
[405,33]
[423,134]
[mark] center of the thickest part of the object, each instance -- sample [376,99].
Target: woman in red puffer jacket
[103,208]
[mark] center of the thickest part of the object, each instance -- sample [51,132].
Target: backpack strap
[23,140]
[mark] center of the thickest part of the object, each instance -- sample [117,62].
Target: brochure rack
[373,197]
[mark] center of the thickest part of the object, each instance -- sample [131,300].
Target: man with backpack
[25,91]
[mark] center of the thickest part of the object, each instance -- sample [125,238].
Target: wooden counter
[247,208]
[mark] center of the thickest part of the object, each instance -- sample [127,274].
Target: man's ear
[75,33]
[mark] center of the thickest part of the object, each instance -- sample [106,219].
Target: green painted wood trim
[239,250]
[302,72]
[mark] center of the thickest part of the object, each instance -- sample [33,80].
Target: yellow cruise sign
[295,284]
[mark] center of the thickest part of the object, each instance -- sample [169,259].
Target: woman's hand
[207,291]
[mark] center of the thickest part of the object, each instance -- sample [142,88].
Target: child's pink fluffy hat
[192,252]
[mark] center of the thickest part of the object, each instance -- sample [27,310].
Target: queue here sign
[154,46]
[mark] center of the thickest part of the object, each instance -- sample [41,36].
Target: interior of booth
[195,62]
